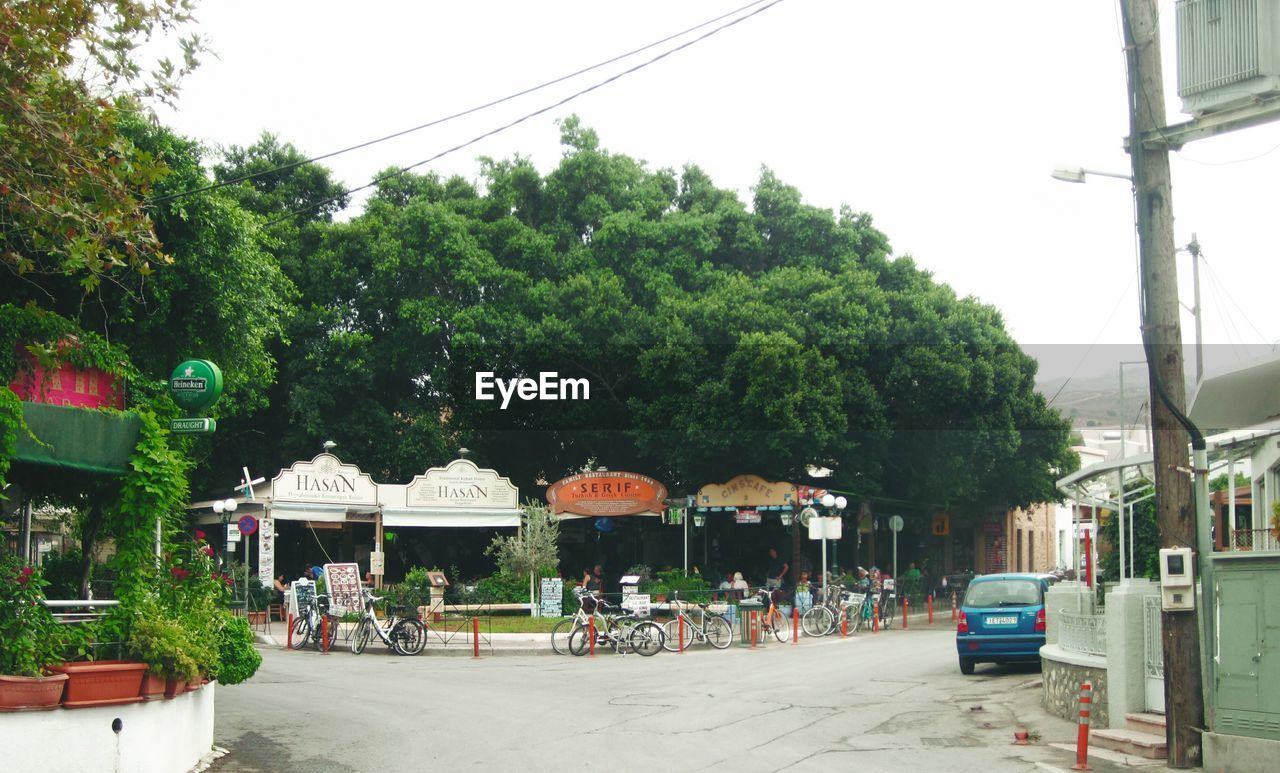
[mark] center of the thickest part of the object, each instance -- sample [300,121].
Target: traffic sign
[248,524]
[895,523]
[193,426]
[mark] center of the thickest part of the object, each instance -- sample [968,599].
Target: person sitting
[740,586]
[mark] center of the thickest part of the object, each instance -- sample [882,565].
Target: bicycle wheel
[360,639]
[887,613]
[317,633]
[781,627]
[719,632]
[560,635]
[580,640]
[671,635]
[854,616]
[646,638]
[816,621]
[409,636]
[301,633]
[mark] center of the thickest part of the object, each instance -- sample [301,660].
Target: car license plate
[1002,621]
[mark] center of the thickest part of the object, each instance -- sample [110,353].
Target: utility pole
[1162,337]
[1194,249]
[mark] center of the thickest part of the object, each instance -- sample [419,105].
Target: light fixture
[828,500]
[841,503]
[1076,174]
[786,517]
[328,445]
[699,519]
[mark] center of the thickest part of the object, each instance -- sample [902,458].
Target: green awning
[78,439]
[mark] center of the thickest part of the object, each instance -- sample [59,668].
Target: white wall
[164,736]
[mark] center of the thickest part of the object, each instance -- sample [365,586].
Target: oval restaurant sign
[326,480]
[607,493]
[746,491]
[462,485]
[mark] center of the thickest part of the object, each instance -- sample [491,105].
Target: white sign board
[267,551]
[377,562]
[343,584]
[301,592]
[324,480]
[825,528]
[233,533]
[637,603]
[552,597]
[461,485]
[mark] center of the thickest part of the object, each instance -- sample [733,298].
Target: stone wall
[1063,673]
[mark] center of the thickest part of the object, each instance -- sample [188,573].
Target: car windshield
[1003,593]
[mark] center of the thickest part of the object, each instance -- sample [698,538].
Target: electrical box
[1177,583]
[1228,53]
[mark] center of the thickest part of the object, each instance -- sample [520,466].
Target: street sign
[233,533]
[895,523]
[195,385]
[193,426]
[941,524]
[248,524]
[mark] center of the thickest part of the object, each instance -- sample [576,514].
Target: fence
[1083,633]
[1255,539]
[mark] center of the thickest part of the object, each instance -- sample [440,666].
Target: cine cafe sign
[598,494]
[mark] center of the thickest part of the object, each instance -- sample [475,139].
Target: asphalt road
[889,702]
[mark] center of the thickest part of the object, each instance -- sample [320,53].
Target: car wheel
[966,666]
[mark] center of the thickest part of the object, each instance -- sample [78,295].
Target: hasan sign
[462,485]
[746,491]
[607,493]
[324,480]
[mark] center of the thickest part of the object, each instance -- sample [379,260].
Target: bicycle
[773,621]
[560,633]
[620,632]
[820,619]
[712,628]
[404,636]
[888,604]
[309,625]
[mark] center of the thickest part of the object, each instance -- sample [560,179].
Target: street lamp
[829,501]
[1076,174]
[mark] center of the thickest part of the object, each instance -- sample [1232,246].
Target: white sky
[941,119]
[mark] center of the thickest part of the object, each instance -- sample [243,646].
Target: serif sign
[607,493]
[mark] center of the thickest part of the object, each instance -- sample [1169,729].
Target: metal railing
[1255,539]
[79,610]
[1083,633]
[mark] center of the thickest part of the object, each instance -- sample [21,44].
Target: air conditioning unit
[1228,53]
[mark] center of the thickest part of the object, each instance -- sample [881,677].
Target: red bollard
[905,603]
[875,617]
[795,626]
[324,634]
[844,625]
[928,601]
[288,638]
[475,637]
[591,631]
[680,627]
[751,627]
[1082,735]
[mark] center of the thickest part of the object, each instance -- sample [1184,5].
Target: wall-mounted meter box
[1177,584]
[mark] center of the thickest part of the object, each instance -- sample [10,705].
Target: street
[892,701]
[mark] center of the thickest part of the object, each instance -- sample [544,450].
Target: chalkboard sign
[304,593]
[343,582]
[552,597]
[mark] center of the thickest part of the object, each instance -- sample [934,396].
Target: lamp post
[225,508]
[828,502]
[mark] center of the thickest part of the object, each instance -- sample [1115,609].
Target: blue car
[1001,620]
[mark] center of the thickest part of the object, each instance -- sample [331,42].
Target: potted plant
[31,641]
[97,682]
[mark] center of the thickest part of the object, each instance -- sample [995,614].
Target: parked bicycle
[560,633]
[403,635]
[888,603]
[310,624]
[712,628]
[773,621]
[621,632]
[839,609]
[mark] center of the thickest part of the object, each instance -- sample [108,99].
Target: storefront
[736,522]
[611,519]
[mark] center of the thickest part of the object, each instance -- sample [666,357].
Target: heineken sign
[195,385]
[193,425]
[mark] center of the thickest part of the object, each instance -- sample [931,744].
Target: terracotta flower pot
[29,693]
[101,682]
[153,686]
[174,687]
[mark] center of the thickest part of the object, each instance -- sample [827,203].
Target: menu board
[302,596]
[637,603]
[552,598]
[343,582]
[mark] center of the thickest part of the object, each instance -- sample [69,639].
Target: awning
[441,517]
[77,439]
[301,512]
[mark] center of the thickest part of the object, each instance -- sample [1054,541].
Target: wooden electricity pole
[1162,335]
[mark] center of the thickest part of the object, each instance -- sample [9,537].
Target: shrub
[237,658]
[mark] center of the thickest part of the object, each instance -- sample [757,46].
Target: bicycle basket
[589,604]
[853,599]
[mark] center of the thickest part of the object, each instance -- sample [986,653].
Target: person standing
[777,570]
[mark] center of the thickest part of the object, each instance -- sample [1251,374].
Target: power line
[1101,330]
[468,111]
[521,119]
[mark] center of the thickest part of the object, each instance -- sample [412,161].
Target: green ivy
[45,335]
[11,422]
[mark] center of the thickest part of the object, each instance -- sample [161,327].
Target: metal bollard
[288,637]
[905,604]
[1082,734]
[324,634]
[875,617]
[680,626]
[475,637]
[591,631]
[795,626]
[928,601]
